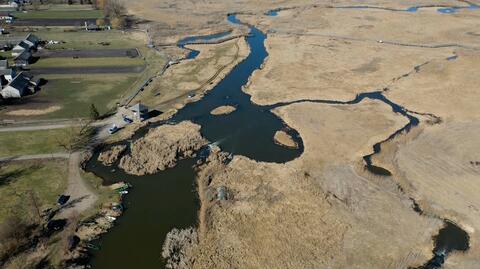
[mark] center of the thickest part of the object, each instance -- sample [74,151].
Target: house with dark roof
[20,86]
[6,73]
[30,43]
[33,40]
[20,47]
[23,59]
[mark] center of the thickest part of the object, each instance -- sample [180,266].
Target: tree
[77,138]
[94,114]
[36,4]
[100,4]
[100,22]
[35,205]
[114,8]
[117,22]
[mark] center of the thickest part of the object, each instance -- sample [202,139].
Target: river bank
[315,197]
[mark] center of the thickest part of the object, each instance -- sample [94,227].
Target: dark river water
[158,203]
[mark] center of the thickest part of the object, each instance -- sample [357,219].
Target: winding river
[167,200]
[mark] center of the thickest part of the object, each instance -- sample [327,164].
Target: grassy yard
[80,39]
[75,93]
[80,62]
[70,95]
[59,14]
[46,179]
[31,142]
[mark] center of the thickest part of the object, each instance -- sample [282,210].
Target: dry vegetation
[161,147]
[194,76]
[323,210]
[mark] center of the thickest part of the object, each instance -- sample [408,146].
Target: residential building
[140,112]
[20,86]
[20,48]
[23,59]
[6,73]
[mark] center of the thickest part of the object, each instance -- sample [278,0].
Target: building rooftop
[3,64]
[21,83]
[139,108]
[24,56]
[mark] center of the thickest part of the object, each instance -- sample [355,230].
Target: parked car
[113,130]
[63,199]
[127,120]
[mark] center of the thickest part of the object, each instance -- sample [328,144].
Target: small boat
[92,246]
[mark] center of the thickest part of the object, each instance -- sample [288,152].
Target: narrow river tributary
[167,200]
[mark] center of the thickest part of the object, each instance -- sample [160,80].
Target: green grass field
[80,62]
[81,39]
[75,93]
[59,14]
[31,142]
[46,179]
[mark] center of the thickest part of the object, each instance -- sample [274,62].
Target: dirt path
[35,157]
[46,126]
[81,196]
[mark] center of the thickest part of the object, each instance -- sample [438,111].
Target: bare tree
[114,8]
[35,205]
[77,138]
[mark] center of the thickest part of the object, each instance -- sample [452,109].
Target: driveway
[81,196]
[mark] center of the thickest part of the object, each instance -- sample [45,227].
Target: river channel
[158,203]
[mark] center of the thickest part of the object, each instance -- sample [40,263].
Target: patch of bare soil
[223,110]
[161,147]
[110,156]
[284,139]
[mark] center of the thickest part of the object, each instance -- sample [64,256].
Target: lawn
[31,142]
[59,14]
[81,39]
[45,179]
[76,93]
[81,62]
[70,95]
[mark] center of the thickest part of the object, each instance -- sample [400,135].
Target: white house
[28,44]
[20,86]
[20,48]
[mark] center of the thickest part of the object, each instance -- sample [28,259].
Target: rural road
[35,157]
[46,126]
[81,196]
[36,127]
